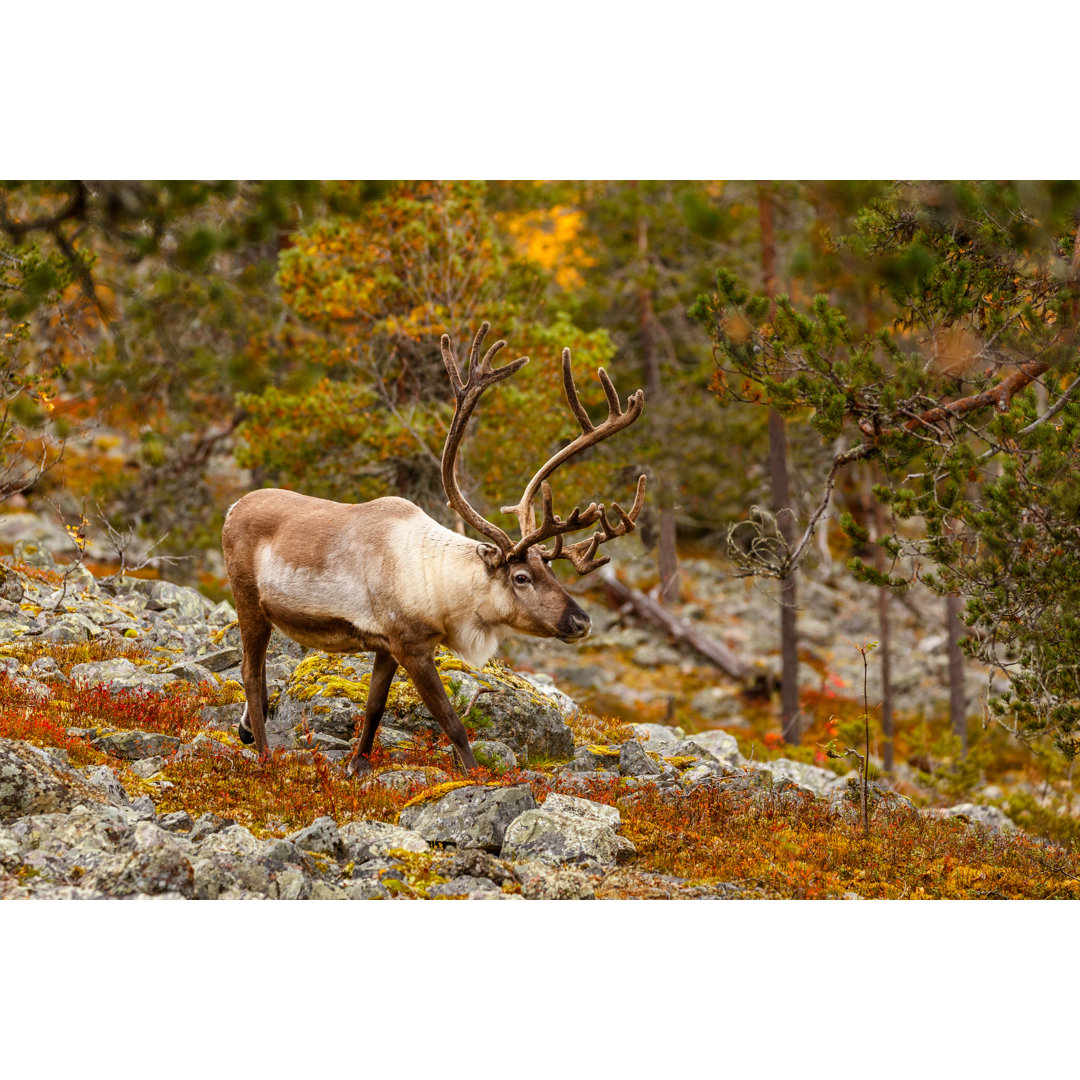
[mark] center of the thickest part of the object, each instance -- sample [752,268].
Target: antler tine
[572,395]
[554,526]
[467,394]
[582,554]
[450,363]
[591,433]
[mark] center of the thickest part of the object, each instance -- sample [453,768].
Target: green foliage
[374,292]
[980,276]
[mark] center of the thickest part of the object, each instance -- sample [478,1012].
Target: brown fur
[383,577]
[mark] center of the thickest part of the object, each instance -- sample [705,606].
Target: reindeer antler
[552,526]
[582,554]
[467,394]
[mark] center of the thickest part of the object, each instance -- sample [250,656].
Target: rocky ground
[78,832]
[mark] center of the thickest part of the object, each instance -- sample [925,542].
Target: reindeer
[384,577]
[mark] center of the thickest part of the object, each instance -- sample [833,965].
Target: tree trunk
[954,629]
[885,642]
[789,641]
[654,392]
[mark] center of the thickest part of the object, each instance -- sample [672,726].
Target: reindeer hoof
[246,736]
[357,766]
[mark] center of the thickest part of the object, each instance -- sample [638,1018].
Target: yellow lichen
[680,761]
[605,751]
[231,692]
[439,790]
[219,635]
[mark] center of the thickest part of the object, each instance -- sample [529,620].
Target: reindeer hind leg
[255,632]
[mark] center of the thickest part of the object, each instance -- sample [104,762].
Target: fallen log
[681,630]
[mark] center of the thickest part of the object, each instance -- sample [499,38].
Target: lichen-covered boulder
[721,745]
[323,694]
[133,745]
[657,736]
[328,694]
[494,755]
[120,674]
[974,813]
[541,882]
[472,816]
[321,836]
[11,586]
[566,829]
[811,777]
[31,782]
[633,761]
[73,628]
[365,840]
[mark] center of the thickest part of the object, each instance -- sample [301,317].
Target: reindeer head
[535,602]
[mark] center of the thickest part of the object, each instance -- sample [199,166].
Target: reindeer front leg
[382,674]
[425,676]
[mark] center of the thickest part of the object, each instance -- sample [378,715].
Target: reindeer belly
[326,632]
[317,611]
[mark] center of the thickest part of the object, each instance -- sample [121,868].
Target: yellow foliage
[552,239]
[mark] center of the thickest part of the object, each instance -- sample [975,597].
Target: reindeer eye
[522,578]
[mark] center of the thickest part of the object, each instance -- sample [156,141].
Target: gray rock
[142,808]
[146,767]
[568,830]
[699,774]
[32,783]
[191,672]
[208,824]
[589,759]
[33,552]
[318,740]
[233,841]
[721,745]
[659,735]
[464,887]
[475,863]
[321,890]
[105,780]
[219,659]
[650,655]
[132,745]
[495,755]
[221,614]
[474,817]
[393,738]
[633,761]
[188,604]
[120,674]
[11,586]
[514,712]
[992,816]
[689,748]
[284,851]
[409,780]
[367,889]
[545,685]
[366,840]
[72,629]
[32,688]
[717,703]
[810,777]
[221,717]
[178,821]
[541,882]
[322,837]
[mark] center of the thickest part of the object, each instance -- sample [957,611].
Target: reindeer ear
[492,556]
